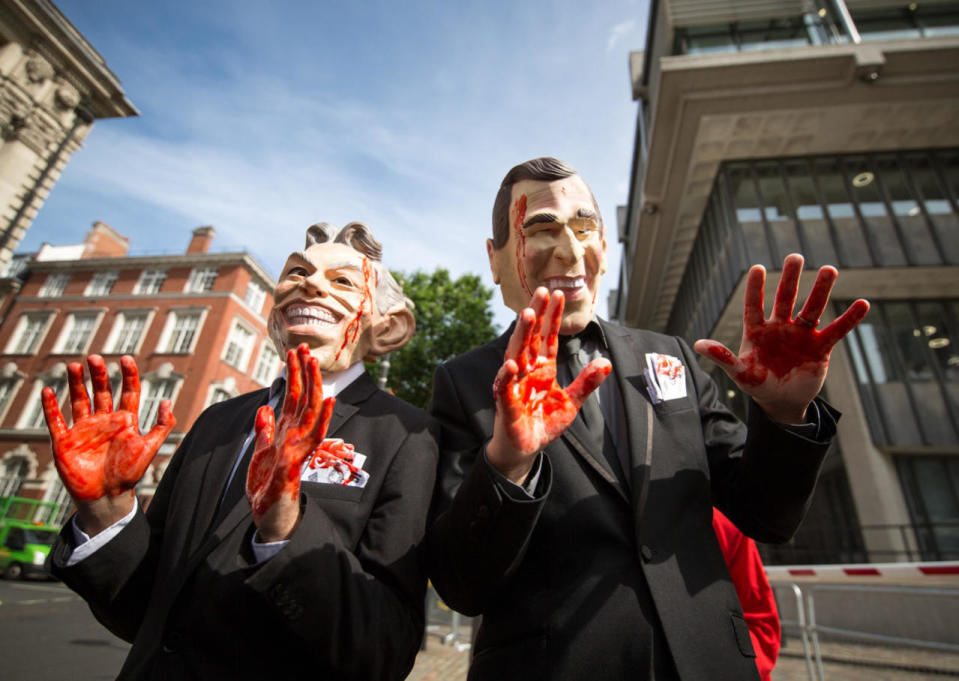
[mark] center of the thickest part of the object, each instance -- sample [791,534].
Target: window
[129,330]
[102,283]
[266,366]
[12,475]
[906,361]
[151,281]
[36,418]
[219,395]
[7,387]
[255,295]
[238,345]
[55,284]
[201,279]
[58,494]
[29,332]
[77,333]
[157,390]
[183,333]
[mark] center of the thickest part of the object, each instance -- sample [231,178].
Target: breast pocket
[321,491]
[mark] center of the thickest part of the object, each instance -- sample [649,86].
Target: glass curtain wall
[852,211]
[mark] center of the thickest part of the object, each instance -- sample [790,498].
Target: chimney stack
[202,238]
[102,241]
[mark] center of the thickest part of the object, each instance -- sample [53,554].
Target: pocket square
[665,377]
[335,462]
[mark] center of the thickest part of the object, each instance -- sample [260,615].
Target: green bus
[25,538]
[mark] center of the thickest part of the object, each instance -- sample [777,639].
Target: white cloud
[619,31]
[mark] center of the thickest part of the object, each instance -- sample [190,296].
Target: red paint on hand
[782,361]
[281,448]
[103,453]
[534,408]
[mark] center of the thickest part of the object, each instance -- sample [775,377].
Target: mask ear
[493,261]
[391,331]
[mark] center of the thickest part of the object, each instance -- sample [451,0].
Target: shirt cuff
[523,492]
[263,551]
[86,545]
[811,428]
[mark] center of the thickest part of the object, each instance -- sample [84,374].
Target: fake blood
[777,349]
[353,329]
[520,209]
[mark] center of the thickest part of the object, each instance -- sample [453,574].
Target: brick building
[194,322]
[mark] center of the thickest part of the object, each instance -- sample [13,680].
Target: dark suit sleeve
[358,610]
[480,532]
[117,579]
[762,475]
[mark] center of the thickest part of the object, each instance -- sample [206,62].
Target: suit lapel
[220,463]
[628,359]
[345,407]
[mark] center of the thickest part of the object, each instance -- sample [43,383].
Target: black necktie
[590,412]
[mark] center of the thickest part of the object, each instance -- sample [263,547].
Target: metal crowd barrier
[449,626]
[809,629]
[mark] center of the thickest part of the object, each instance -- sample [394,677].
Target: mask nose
[568,248]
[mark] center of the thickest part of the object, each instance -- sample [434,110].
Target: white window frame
[150,282]
[244,345]
[153,391]
[9,386]
[201,279]
[11,484]
[55,285]
[269,372]
[123,316]
[44,318]
[102,283]
[61,347]
[254,297]
[32,415]
[167,335]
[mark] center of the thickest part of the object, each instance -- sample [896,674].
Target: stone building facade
[53,86]
[831,128]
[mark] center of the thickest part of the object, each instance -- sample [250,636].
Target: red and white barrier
[884,570]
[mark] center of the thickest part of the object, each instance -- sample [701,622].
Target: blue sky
[262,118]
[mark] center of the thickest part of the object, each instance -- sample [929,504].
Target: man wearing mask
[577,520]
[283,539]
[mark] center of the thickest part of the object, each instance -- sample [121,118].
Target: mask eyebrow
[540,218]
[586,213]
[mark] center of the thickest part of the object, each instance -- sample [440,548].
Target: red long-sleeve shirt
[752,587]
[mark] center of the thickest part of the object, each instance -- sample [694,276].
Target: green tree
[452,316]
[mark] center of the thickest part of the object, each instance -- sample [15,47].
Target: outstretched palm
[533,408]
[103,454]
[782,361]
[273,479]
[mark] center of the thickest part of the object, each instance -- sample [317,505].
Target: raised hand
[782,361]
[273,479]
[102,455]
[532,409]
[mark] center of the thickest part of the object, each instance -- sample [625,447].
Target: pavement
[842,661]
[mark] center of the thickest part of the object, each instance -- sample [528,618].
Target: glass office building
[830,129]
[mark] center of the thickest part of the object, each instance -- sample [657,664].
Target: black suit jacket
[592,578]
[343,600]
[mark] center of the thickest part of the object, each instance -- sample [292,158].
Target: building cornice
[154,262]
[791,102]
[63,45]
